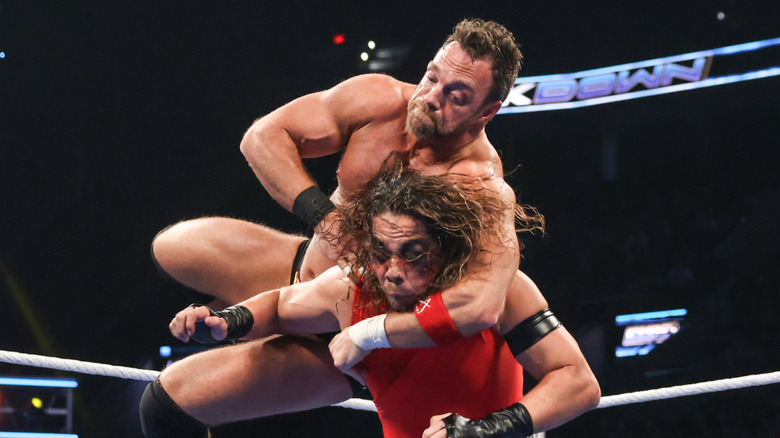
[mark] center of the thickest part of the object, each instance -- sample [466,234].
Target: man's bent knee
[197,296]
[155,260]
[161,417]
[172,244]
[228,258]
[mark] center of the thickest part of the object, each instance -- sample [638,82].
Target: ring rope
[78,366]
[690,389]
[367,405]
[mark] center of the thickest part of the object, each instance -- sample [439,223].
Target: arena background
[119,118]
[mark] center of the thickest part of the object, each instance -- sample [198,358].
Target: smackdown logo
[591,86]
[627,81]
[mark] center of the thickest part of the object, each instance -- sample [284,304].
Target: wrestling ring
[100,369]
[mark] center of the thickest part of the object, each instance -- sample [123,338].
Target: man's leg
[229,259]
[254,379]
[315,261]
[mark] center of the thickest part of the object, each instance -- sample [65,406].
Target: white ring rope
[691,389]
[77,366]
[367,405]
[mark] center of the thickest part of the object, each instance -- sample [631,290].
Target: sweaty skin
[366,118]
[566,385]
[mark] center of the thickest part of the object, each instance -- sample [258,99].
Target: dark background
[118,118]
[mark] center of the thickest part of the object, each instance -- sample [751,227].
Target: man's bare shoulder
[486,166]
[372,94]
[499,185]
[479,160]
[377,82]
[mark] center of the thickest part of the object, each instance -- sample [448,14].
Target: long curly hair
[459,212]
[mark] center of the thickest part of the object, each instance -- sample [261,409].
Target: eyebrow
[457,84]
[416,241]
[424,242]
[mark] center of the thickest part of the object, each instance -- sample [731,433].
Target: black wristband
[312,206]
[514,421]
[239,320]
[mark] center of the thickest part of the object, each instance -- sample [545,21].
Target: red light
[338,38]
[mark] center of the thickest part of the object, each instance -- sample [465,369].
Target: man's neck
[429,153]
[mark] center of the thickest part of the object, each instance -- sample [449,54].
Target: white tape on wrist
[347,269]
[369,334]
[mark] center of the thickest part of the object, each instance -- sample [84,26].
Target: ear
[489,111]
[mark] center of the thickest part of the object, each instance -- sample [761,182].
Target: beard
[425,125]
[420,121]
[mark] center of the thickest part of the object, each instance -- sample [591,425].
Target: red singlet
[473,377]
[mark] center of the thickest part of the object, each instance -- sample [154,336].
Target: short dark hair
[488,39]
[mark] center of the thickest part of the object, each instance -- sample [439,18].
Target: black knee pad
[161,417]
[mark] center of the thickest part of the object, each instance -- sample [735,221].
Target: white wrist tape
[347,269]
[369,334]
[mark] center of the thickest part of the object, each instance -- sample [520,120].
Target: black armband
[312,206]
[239,321]
[531,331]
[514,421]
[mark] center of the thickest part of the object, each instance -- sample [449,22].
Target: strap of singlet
[295,275]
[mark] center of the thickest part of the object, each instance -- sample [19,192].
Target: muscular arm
[275,145]
[310,307]
[314,125]
[322,305]
[315,306]
[567,387]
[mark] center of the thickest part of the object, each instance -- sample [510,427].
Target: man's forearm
[469,314]
[561,396]
[276,162]
[404,331]
[264,311]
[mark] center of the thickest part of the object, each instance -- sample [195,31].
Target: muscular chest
[371,146]
[367,149]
